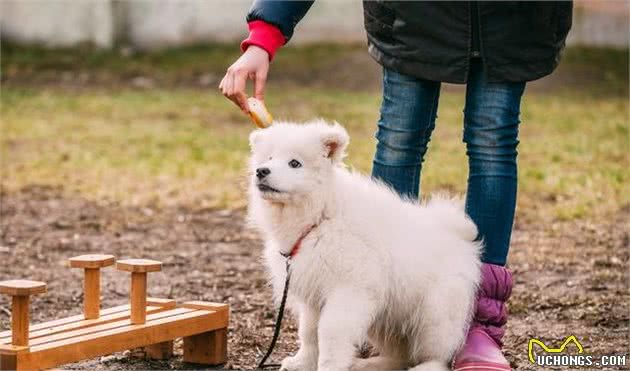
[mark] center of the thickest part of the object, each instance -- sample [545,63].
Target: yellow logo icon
[567,341]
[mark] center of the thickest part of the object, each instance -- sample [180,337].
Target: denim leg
[408,114]
[491,120]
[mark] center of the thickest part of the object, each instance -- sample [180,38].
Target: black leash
[276,331]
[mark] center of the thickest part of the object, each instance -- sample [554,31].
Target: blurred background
[151,25]
[115,139]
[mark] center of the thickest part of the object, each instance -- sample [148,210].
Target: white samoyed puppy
[366,265]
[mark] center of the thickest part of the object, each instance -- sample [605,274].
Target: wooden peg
[139,269]
[92,265]
[20,290]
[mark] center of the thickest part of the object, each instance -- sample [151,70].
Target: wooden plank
[162,350]
[19,320]
[83,324]
[118,339]
[5,336]
[8,361]
[208,348]
[169,303]
[138,298]
[22,287]
[92,261]
[63,321]
[104,327]
[12,349]
[92,293]
[139,265]
[78,317]
[206,305]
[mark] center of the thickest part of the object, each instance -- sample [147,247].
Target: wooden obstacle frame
[149,323]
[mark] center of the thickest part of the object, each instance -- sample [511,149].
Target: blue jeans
[491,120]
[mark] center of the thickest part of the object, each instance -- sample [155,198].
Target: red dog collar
[296,246]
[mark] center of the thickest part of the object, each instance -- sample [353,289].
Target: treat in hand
[259,114]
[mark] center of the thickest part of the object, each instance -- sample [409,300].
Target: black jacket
[435,40]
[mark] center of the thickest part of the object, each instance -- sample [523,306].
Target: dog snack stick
[259,114]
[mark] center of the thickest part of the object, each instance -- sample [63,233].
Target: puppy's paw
[332,366]
[378,363]
[362,364]
[299,362]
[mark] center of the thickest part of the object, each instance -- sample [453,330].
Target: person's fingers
[221,84]
[232,85]
[229,82]
[225,83]
[259,85]
[239,95]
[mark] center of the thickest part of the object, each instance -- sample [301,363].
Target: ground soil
[571,277]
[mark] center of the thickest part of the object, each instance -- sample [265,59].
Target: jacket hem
[421,70]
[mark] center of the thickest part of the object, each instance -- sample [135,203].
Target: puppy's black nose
[262,172]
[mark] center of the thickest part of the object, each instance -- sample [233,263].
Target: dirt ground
[571,277]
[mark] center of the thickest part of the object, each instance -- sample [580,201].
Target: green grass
[189,147]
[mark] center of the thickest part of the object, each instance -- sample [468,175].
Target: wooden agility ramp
[148,323]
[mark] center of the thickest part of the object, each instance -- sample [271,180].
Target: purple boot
[482,350]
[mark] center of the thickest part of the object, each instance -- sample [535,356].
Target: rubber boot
[482,350]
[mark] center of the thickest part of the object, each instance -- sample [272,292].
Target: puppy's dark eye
[295,164]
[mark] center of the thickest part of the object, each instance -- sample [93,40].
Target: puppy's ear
[335,140]
[254,138]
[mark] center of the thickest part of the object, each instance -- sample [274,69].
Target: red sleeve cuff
[264,35]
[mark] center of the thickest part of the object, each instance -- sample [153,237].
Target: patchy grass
[185,146]
[603,71]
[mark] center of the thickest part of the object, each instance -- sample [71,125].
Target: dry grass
[186,146]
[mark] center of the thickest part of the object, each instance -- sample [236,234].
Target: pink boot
[482,351]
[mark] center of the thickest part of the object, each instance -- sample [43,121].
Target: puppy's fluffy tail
[450,210]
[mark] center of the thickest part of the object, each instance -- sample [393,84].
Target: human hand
[254,65]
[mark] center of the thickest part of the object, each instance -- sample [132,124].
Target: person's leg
[491,120]
[408,115]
